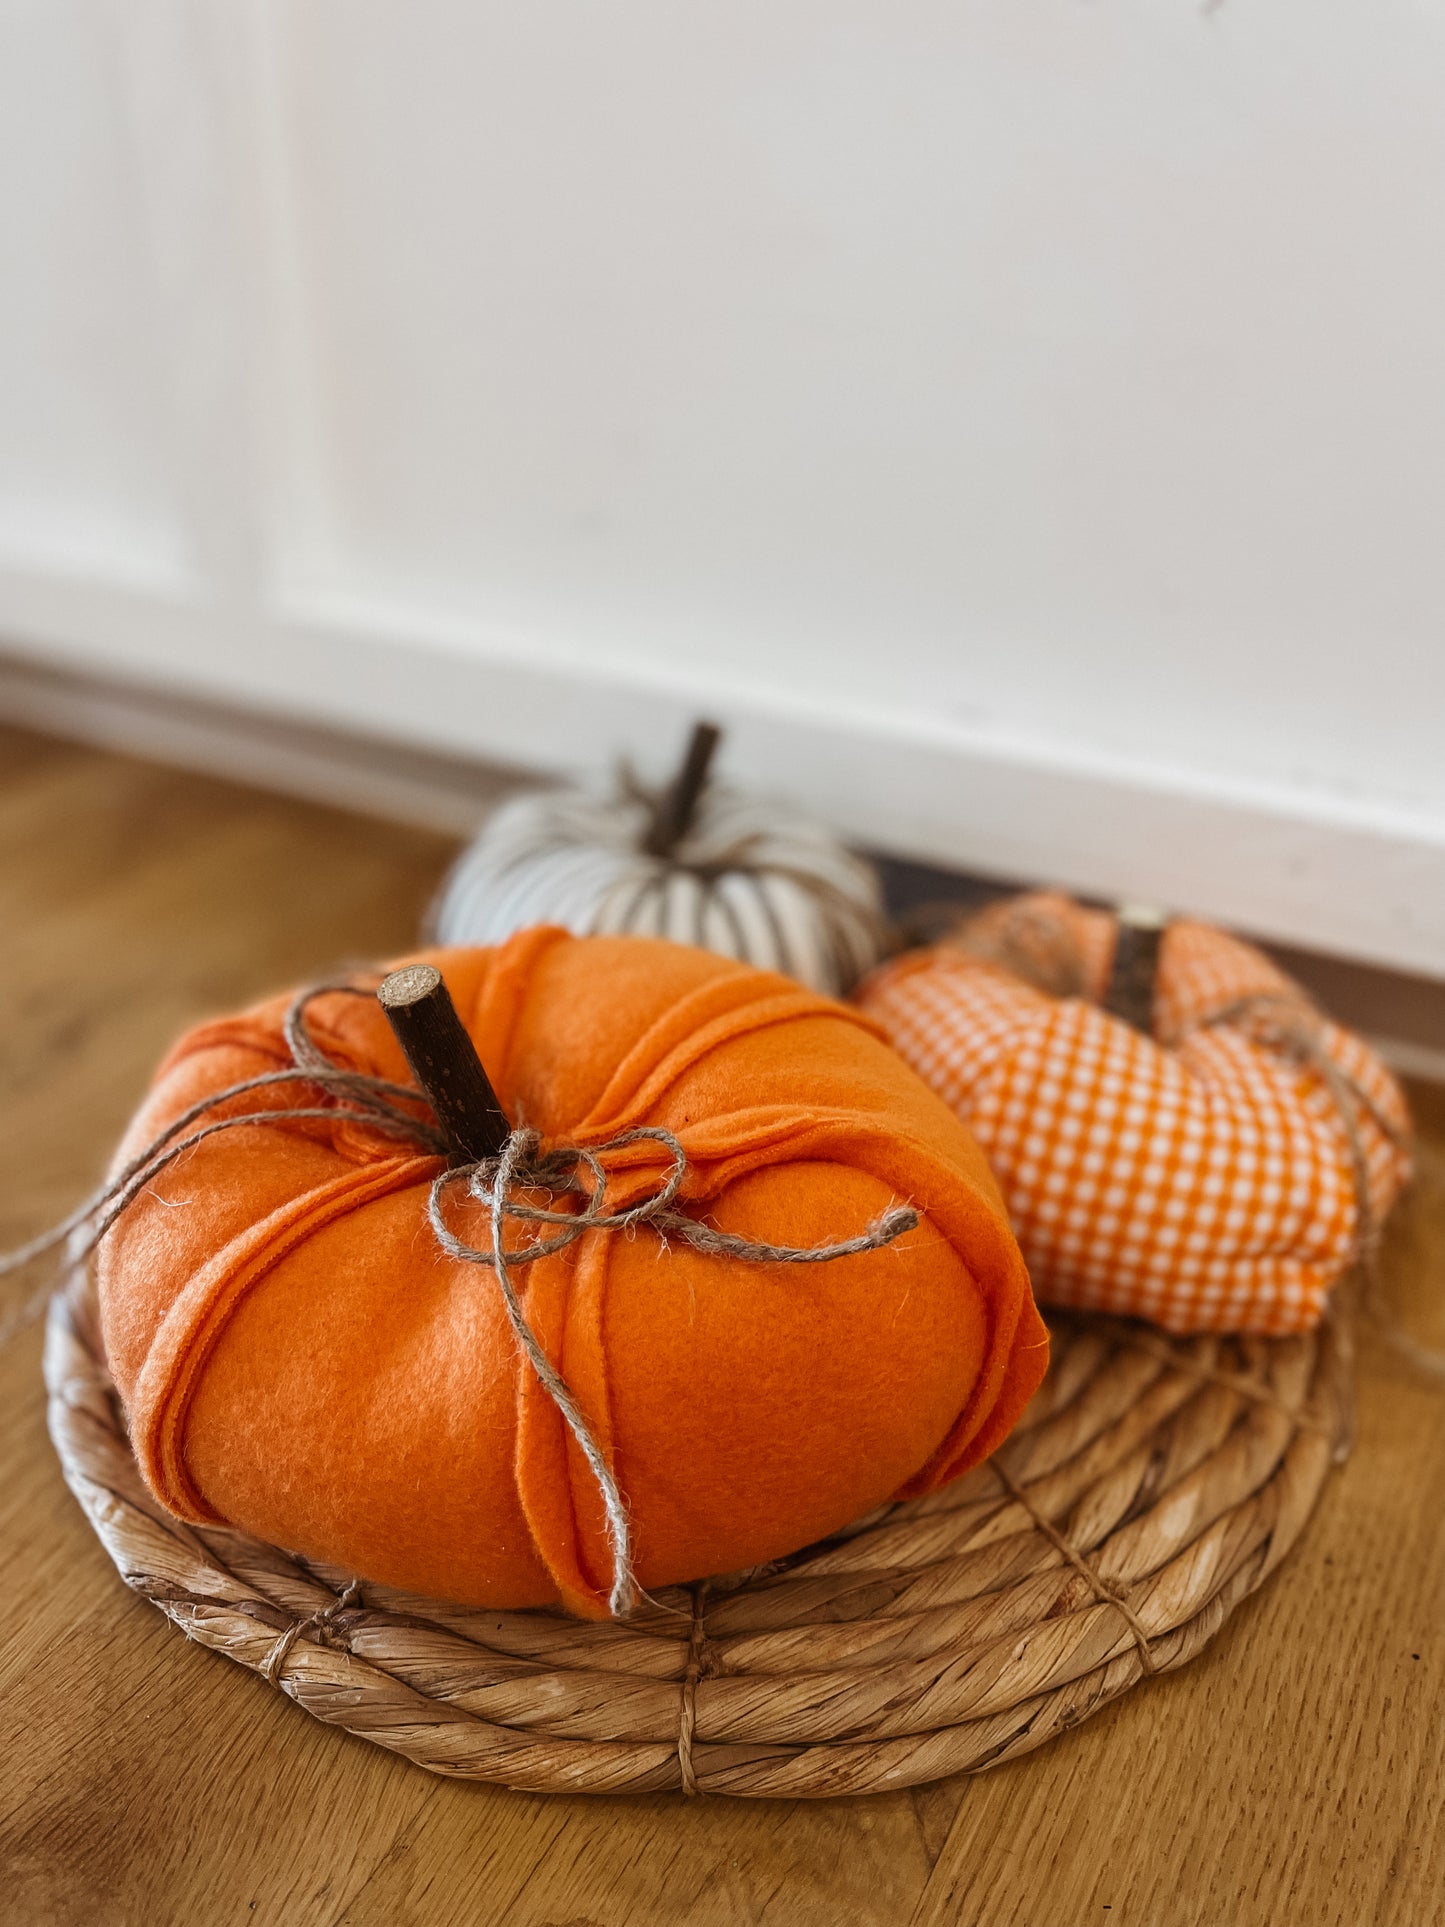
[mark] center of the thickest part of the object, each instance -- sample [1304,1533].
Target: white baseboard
[449,794]
[370,775]
[440,707]
[1407,1058]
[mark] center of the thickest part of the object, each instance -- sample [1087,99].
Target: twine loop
[500,1185]
[319,1623]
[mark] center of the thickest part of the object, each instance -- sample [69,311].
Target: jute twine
[1152,1485]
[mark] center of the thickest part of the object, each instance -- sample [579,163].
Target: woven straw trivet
[1152,1485]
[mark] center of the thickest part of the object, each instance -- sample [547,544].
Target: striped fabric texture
[1203,1178]
[748,880]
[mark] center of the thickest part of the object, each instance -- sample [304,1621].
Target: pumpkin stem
[678,802]
[1130,994]
[444,1062]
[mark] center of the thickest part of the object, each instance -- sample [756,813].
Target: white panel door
[1023,422]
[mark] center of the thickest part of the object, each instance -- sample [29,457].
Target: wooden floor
[1294,1775]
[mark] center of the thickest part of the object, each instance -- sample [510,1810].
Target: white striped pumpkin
[745,879]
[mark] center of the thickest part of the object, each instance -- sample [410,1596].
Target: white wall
[1023,420]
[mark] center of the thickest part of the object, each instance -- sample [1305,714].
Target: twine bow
[500,1184]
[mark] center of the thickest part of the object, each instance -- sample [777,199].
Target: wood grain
[1294,1774]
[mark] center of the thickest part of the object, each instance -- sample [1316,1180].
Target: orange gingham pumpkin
[1203,1177]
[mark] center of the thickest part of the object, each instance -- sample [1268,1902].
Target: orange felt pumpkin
[1205,1177]
[301,1358]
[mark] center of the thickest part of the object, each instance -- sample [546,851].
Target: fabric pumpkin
[301,1359]
[746,879]
[1203,1177]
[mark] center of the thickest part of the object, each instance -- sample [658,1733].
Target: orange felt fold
[301,1359]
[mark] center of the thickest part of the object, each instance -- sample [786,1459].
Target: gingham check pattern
[1201,1178]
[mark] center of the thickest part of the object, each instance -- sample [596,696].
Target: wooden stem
[1130,995]
[680,799]
[444,1062]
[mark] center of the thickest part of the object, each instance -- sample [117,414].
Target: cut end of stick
[409,986]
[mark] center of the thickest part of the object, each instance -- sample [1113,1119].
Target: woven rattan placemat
[1152,1485]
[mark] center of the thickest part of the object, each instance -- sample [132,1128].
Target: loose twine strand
[498,1184]
[1241,1383]
[692,1673]
[1106,1594]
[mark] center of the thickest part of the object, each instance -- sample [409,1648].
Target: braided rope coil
[1153,1484]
